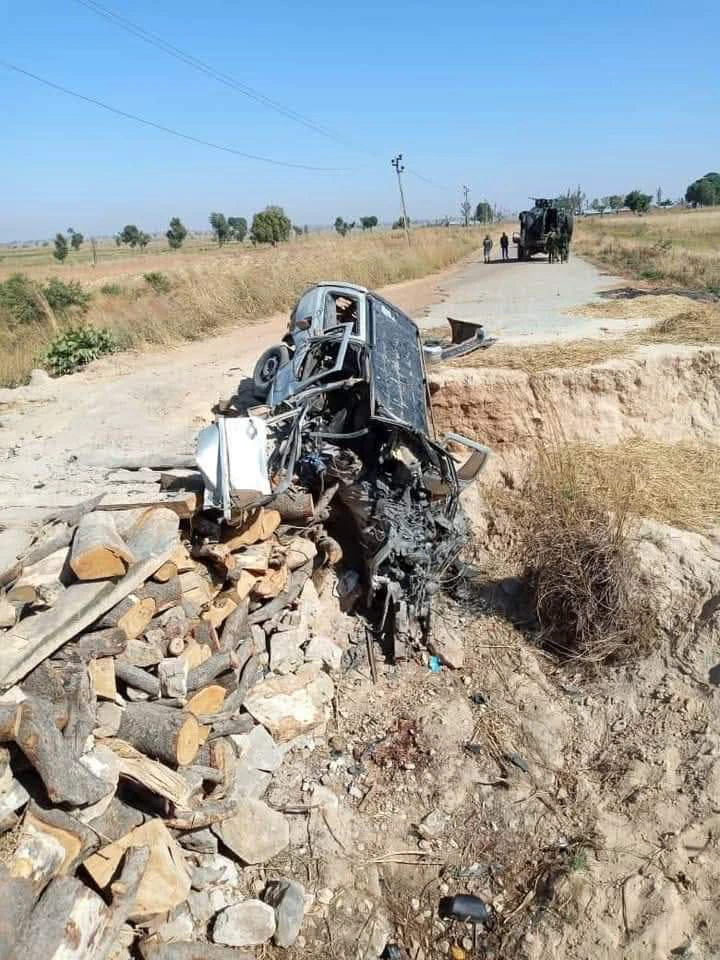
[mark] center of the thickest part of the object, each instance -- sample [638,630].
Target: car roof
[341,283]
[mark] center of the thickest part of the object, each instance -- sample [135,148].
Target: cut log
[33,730]
[211,811]
[217,664]
[236,627]
[205,633]
[184,505]
[16,903]
[273,583]
[259,526]
[14,542]
[65,923]
[137,677]
[166,881]
[150,774]
[8,613]
[165,595]
[131,615]
[119,818]
[36,638]
[173,674]
[81,708]
[141,653]
[42,583]
[220,609]
[107,719]
[256,559]
[102,672]
[196,653]
[229,726]
[182,559]
[166,572]
[243,583]
[51,843]
[124,892]
[73,515]
[195,588]
[46,681]
[207,701]
[13,795]
[98,551]
[93,646]
[297,581]
[161,732]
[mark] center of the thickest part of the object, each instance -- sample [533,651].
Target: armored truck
[537,223]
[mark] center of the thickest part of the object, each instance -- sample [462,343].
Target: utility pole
[466,205]
[399,168]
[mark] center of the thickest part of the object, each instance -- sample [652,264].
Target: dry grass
[576,550]
[677,247]
[211,291]
[548,356]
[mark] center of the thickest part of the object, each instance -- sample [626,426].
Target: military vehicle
[537,223]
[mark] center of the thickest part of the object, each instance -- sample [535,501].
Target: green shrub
[112,289]
[160,282]
[76,347]
[65,297]
[20,302]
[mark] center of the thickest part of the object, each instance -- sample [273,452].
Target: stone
[249,782]
[433,825]
[258,638]
[199,841]
[285,651]
[256,833]
[287,897]
[258,749]
[173,674]
[290,706]
[245,924]
[107,719]
[178,927]
[212,870]
[322,649]
[448,649]
[204,904]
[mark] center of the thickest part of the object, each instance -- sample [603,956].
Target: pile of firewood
[138,653]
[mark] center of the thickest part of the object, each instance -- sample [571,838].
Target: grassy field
[680,248]
[208,289]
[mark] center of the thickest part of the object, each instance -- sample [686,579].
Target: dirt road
[156,402]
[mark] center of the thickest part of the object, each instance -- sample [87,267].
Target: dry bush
[575,545]
[700,324]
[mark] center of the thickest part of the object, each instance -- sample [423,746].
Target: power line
[170,130]
[197,64]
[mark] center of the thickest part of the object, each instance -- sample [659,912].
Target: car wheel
[267,366]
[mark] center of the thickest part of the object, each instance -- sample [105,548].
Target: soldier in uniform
[487,247]
[564,247]
[551,245]
[504,244]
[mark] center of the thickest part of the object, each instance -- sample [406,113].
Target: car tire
[266,368]
[520,253]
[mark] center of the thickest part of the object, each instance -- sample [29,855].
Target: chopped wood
[236,627]
[13,543]
[285,599]
[256,559]
[273,583]
[98,551]
[205,633]
[175,646]
[207,701]
[161,732]
[196,653]
[211,811]
[15,905]
[182,559]
[220,609]
[131,615]
[51,837]
[173,675]
[82,604]
[154,776]
[166,881]
[205,673]
[195,588]
[259,526]
[73,515]
[231,725]
[95,645]
[102,672]
[13,795]
[166,572]
[119,818]
[299,551]
[184,505]
[46,681]
[81,707]
[65,922]
[124,893]
[165,595]
[243,583]
[57,536]
[138,678]
[42,582]
[107,719]
[141,653]
[33,730]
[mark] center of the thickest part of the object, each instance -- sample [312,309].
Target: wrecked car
[347,418]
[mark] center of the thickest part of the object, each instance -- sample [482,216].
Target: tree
[176,233]
[704,192]
[637,201]
[466,210]
[130,235]
[238,228]
[600,204]
[400,223]
[221,228]
[144,239]
[616,202]
[343,227]
[368,223]
[305,230]
[118,239]
[61,247]
[659,196]
[483,212]
[270,226]
[574,201]
[76,239]
[298,231]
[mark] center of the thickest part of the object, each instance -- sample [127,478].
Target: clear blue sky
[512,98]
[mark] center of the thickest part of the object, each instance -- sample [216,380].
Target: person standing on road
[487,247]
[564,248]
[551,245]
[504,245]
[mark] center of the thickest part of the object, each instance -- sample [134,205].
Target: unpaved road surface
[156,402]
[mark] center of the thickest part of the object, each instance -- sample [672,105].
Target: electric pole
[466,205]
[399,168]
